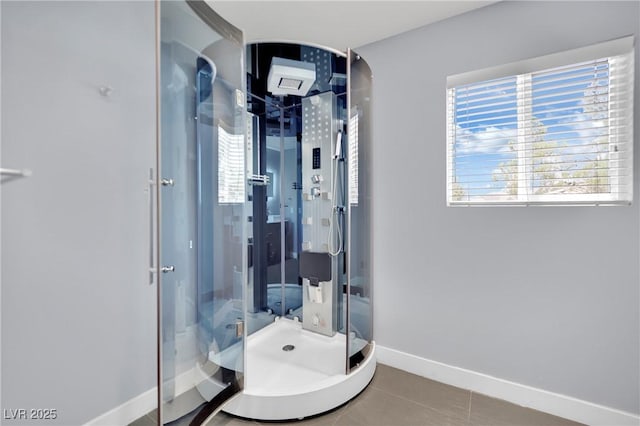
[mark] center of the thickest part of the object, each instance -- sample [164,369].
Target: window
[353,159]
[231,179]
[544,132]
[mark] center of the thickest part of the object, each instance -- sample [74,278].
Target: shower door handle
[166,269]
[151,184]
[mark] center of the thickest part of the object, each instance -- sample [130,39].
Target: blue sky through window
[569,108]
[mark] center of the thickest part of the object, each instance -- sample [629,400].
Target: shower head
[289,77]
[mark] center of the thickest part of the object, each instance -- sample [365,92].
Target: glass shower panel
[292,208]
[257,317]
[359,303]
[202,192]
[273,227]
[341,216]
[275,230]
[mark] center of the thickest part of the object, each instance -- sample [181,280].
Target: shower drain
[288,348]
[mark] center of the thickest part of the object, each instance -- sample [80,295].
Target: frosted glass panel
[202,225]
[359,284]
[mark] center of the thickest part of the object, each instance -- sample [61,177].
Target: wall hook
[105,91]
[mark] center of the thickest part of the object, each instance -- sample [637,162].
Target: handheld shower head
[338,151]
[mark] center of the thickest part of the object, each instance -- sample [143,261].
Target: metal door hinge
[239,328]
[240,102]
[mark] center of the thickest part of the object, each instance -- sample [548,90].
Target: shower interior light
[289,77]
[290,83]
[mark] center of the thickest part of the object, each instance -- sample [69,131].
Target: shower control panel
[318,268]
[316,158]
[319,129]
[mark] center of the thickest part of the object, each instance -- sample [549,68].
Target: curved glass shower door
[202,192]
[359,302]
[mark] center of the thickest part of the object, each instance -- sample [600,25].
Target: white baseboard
[140,405]
[129,411]
[527,396]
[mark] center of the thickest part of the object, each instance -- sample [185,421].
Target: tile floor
[397,398]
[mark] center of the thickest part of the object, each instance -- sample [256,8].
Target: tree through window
[557,135]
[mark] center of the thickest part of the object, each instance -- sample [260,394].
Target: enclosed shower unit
[264,227]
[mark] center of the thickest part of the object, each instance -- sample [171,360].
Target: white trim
[527,396]
[601,50]
[142,404]
[129,411]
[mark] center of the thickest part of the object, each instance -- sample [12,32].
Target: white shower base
[308,380]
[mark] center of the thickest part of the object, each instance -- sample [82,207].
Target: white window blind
[551,135]
[353,159]
[231,178]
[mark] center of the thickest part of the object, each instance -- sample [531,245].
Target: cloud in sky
[587,125]
[490,140]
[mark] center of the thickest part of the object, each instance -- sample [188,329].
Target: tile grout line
[344,408]
[469,413]
[409,400]
[399,396]
[335,422]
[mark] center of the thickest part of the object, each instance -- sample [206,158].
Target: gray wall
[544,296]
[78,315]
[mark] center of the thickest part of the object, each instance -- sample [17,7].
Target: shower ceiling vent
[289,77]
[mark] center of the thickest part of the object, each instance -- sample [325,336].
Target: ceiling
[336,24]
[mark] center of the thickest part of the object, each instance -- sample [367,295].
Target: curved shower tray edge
[298,406]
